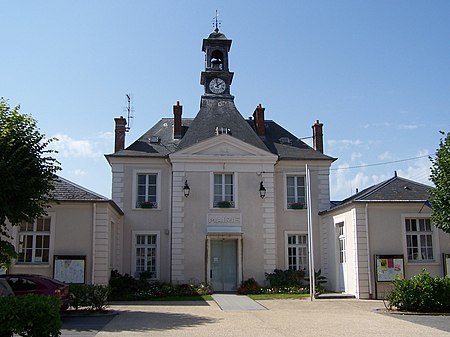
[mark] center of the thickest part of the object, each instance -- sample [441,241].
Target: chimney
[318,136]
[258,116]
[177,112]
[119,142]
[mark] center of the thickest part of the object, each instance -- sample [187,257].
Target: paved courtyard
[282,318]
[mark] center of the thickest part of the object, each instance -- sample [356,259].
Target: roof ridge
[376,187]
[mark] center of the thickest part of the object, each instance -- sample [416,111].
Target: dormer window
[222,130]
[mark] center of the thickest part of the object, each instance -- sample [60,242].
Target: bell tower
[216,78]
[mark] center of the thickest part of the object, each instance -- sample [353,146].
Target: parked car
[22,284]
[5,289]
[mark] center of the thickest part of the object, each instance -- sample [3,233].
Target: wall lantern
[262,190]
[186,189]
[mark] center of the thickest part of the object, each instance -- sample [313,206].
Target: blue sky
[376,73]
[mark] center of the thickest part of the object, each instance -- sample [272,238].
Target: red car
[23,284]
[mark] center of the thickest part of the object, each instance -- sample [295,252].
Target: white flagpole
[312,281]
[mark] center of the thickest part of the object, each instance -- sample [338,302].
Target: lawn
[278,296]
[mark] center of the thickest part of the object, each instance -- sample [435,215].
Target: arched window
[217,60]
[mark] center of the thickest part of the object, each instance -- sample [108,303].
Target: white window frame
[158,251]
[235,189]
[342,239]
[435,239]
[135,188]
[285,197]
[34,233]
[287,234]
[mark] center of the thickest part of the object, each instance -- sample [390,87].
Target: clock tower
[216,78]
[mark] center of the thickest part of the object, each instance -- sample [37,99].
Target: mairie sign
[229,219]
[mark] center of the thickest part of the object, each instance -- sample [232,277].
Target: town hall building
[218,198]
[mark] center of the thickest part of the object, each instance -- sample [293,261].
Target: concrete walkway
[233,302]
[282,318]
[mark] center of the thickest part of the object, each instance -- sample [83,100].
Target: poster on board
[69,269]
[389,267]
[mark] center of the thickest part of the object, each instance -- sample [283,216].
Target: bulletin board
[69,268]
[389,267]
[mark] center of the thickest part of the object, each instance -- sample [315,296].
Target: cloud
[345,179]
[108,135]
[343,144]
[79,172]
[419,170]
[69,147]
[377,125]
[356,155]
[386,155]
[408,126]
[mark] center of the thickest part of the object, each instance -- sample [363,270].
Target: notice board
[389,268]
[69,268]
[446,262]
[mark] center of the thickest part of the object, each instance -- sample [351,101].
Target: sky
[375,73]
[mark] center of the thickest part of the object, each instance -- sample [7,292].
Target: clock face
[217,85]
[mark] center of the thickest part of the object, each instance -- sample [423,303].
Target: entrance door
[223,264]
[342,257]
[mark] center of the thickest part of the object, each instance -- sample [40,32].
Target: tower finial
[216,22]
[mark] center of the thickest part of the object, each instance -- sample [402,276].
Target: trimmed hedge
[30,315]
[422,293]
[93,296]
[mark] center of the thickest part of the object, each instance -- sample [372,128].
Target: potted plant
[224,204]
[147,204]
[297,205]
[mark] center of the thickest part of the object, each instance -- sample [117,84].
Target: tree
[27,174]
[440,176]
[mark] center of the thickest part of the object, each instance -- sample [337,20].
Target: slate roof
[395,189]
[163,142]
[222,113]
[66,190]
[281,142]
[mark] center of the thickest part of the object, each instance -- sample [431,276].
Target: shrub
[30,315]
[125,287]
[422,293]
[93,296]
[250,286]
[285,278]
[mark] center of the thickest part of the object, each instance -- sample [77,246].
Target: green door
[223,262]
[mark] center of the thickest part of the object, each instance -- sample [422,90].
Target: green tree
[27,174]
[440,176]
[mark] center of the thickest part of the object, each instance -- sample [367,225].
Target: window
[419,239]
[223,190]
[146,250]
[147,191]
[295,186]
[34,241]
[297,252]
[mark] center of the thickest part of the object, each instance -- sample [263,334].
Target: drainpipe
[369,263]
[94,225]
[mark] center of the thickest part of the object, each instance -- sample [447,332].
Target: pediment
[222,145]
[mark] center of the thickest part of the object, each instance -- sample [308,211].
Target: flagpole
[312,283]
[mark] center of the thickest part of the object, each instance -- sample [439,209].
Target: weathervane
[216,22]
